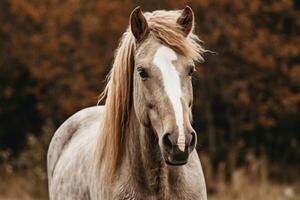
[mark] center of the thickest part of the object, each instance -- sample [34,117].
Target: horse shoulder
[64,134]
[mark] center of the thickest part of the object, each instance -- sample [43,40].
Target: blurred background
[55,54]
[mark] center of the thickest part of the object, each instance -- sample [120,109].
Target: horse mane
[111,143]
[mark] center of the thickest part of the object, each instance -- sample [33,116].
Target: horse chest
[168,193]
[159,197]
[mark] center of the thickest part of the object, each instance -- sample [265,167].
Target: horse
[140,145]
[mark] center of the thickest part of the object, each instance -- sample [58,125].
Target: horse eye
[191,71]
[143,73]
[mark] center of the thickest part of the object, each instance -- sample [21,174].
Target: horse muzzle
[177,154]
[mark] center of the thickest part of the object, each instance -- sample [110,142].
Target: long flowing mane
[111,143]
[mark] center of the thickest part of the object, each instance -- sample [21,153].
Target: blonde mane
[111,143]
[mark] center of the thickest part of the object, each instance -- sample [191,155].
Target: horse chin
[175,163]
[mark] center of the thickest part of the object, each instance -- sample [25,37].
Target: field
[18,187]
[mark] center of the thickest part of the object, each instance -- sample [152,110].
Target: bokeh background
[55,54]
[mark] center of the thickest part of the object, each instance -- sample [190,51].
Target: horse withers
[140,145]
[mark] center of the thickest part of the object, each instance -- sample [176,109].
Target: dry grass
[18,187]
[244,188]
[258,192]
[22,187]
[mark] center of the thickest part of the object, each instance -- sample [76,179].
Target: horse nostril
[167,141]
[150,106]
[193,140]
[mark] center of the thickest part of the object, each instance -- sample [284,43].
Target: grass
[18,187]
[257,192]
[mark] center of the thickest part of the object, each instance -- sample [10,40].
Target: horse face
[163,90]
[163,98]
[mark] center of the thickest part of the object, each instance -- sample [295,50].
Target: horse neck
[146,163]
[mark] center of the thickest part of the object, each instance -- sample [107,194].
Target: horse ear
[138,24]
[186,20]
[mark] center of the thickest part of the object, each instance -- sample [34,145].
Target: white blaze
[163,60]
